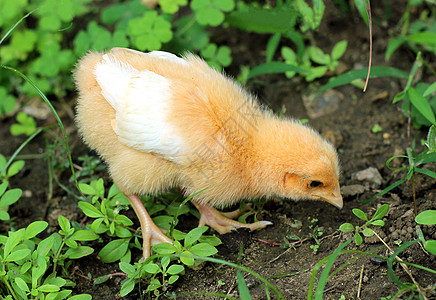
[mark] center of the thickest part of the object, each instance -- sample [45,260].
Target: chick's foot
[151,234]
[222,222]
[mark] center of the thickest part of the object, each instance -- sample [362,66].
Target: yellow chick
[162,121]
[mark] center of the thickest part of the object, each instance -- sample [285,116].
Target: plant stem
[415,207]
[404,266]
[11,290]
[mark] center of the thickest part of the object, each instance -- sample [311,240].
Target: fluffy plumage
[161,121]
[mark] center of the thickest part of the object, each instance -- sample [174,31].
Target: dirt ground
[347,124]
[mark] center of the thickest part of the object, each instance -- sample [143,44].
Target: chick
[162,121]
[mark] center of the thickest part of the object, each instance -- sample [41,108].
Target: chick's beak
[334,198]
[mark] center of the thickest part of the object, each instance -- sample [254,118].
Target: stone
[370,175]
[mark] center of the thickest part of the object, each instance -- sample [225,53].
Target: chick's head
[302,165]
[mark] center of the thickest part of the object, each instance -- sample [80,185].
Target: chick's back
[211,119]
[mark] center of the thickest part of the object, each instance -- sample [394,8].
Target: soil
[348,127]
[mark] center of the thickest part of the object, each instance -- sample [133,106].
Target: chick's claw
[151,234]
[222,222]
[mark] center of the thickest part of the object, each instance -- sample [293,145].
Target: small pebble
[377,261]
[27,193]
[395,235]
[371,175]
[386,135]
[352,190]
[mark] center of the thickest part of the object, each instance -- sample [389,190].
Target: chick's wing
[142,100]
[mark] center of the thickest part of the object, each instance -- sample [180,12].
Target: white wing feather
[141,100]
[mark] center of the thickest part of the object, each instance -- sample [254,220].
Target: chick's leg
[151,234]
[222,222]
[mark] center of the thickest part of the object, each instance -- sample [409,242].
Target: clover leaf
[149,31]
[11,10]
[171,6]
[98,38]
[26,125]
[55,13]
[22,42]
[210,12]
[7,103]
[217,57]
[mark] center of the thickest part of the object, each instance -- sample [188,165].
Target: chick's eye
[315,183]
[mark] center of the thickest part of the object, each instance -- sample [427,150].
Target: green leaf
[171,6]
[26,125]
[194,235]
[317,55]
[173,279]
[368,232]
[80,251]
[151,268]
[175,269]
[4,216]
[361,7]
[360,214]
[22,284]
[186,258]
[122,232]
[430,90]
[48,288]
[421,104]
[378,223]
[122,219]
[381,212]
[210,12]
[59,281]
[127,268]
[14,238]
[430,246]
[84,235]
[81,297]
[45,245]
[102,279]
[153,285]
[64,223]
[346,227]
[18,255]
[358,239]
[87,189]
[15,168]
[393,45]
[244,293]
[114,250]
[426,172]
[272,45]
[10,197]
[263,20]
[34,229]
[339,50]
[203,249]
[89,210]
[164,248]
[431,140]
[127,287]
[3,186]
[427,217]
[376,71]
[425,37]
[149,31]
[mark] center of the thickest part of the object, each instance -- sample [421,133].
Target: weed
[25,261]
